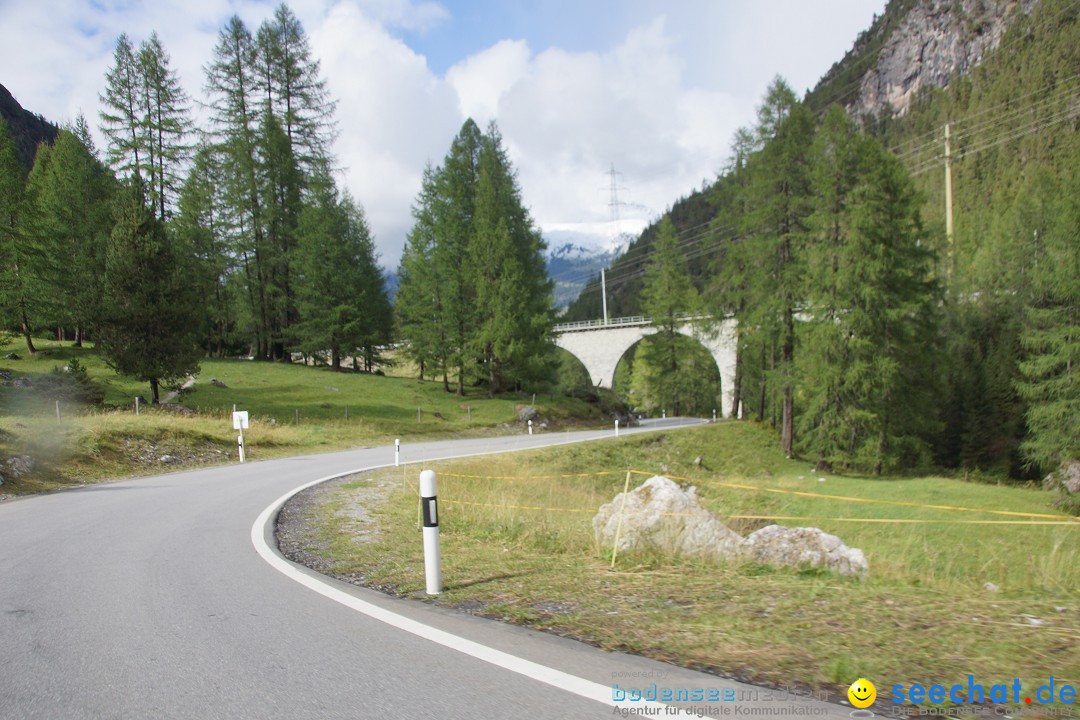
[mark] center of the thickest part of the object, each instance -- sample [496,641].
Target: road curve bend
[165,597]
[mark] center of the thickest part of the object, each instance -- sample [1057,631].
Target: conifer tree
[780,202]
[201,227]
[149,320]
[418,306]
[122,116]
[868,359]
[17,245]
[234,110]
[342,299]
[474,287]
[513,293]
[1051,337]
[73,195]
[667,296]
[165,125]
[455,206]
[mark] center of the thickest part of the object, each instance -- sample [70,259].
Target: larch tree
[1050,381]
[17,243]
[418,307]
[667,297]
[166,124]
[123,114]
[780,202]
[513,293]
[73,196]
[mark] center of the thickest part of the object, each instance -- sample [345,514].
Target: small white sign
[240,420]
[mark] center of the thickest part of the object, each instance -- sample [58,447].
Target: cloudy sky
[654,88]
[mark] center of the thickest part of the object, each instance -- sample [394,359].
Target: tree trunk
[763,394]
[78,336]
[787,428]
[25,323]
[335,358]
[154,391]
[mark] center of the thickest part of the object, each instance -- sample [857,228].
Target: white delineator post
[530,427]
[240,421]
[397,452]
[616,427]
[432,562]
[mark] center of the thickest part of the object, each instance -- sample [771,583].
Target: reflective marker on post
[397,452]
[429,503]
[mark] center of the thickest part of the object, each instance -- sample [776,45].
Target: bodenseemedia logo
[974,692]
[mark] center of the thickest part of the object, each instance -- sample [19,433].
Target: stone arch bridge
[600,345]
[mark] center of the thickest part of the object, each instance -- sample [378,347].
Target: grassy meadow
[293,408]
[517,544]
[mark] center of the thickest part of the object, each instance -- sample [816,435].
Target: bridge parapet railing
[593,324]
[616,322]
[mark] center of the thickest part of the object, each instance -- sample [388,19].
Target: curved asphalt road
[148,598]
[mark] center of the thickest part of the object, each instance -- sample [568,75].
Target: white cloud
[567,117]
[481,80]
[394,116]
[661,103]
[405,14]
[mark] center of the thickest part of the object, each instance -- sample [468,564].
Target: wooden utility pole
[948,201]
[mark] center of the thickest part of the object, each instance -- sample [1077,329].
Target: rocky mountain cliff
[914,44]
[25,127]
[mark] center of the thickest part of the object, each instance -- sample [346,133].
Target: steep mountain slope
[915,44]
[26,127]
[894,79]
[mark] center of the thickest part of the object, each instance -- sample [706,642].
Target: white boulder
[660,515]
[801,547]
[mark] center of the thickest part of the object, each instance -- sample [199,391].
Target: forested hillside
[1002,336]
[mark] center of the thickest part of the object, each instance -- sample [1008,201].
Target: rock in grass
[804,547]
[178,409]
[15,467]
[217,383]
[659,515]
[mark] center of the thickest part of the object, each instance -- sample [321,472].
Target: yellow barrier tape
[801,493]
[1058,519]
[513,507]
[527,477]
[907,521]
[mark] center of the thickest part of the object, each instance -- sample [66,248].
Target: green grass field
[521,548]
[294,409]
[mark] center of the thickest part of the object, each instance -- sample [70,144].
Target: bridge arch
[600,346]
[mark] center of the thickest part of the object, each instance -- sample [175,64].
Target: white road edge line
[550,676]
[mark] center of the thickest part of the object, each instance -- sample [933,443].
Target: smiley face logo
[862,693]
